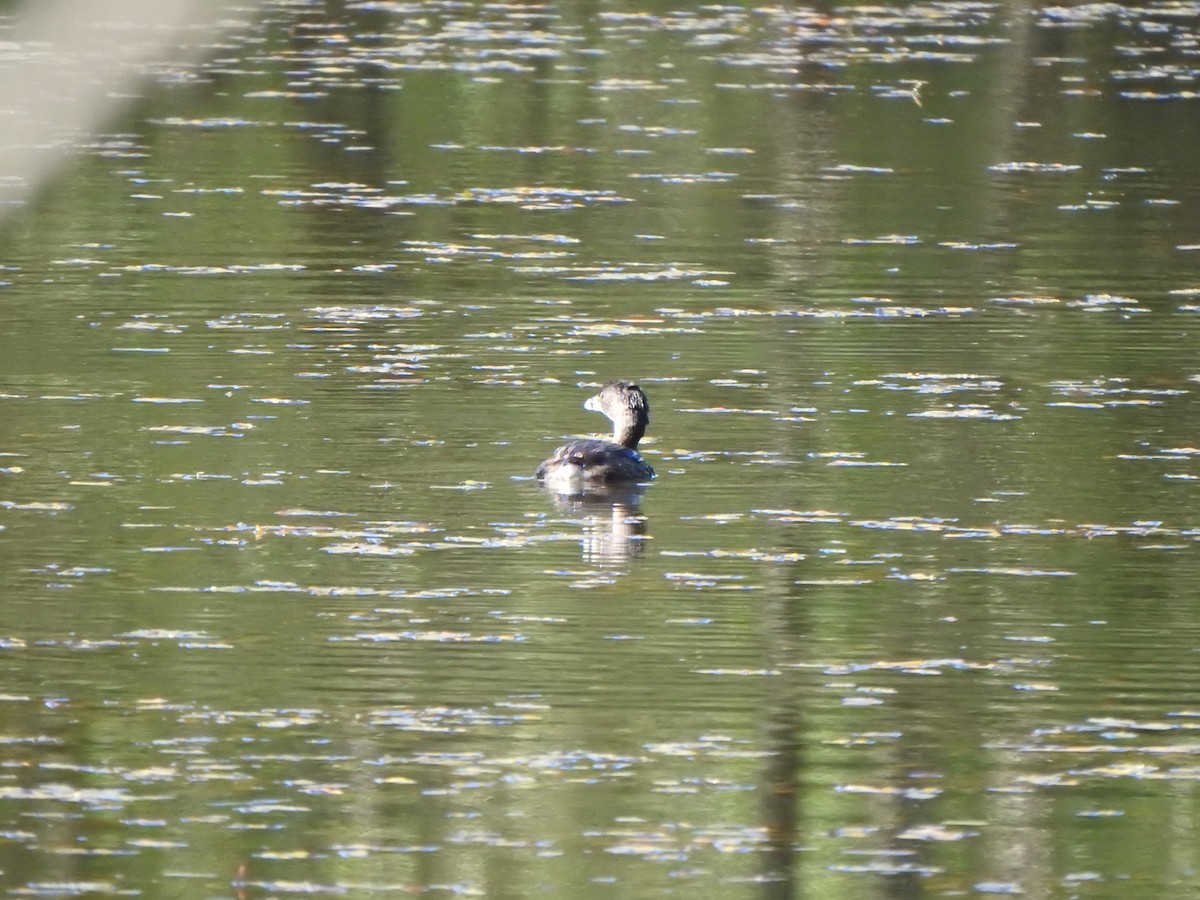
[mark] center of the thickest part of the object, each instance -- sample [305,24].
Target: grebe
[592,463]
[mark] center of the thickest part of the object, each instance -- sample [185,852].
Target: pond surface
[909,611]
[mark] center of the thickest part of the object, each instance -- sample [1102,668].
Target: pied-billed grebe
[592,463]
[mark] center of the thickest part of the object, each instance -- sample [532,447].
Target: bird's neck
[628,433]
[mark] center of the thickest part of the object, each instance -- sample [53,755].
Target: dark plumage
[592,463]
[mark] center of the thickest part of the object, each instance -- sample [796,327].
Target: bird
[593,463]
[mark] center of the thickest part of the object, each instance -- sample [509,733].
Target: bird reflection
[614,530]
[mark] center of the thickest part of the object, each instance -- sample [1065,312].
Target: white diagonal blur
[68,66]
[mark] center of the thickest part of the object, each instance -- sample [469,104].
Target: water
[909,609]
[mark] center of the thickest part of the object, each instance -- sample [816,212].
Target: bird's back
[593,461]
